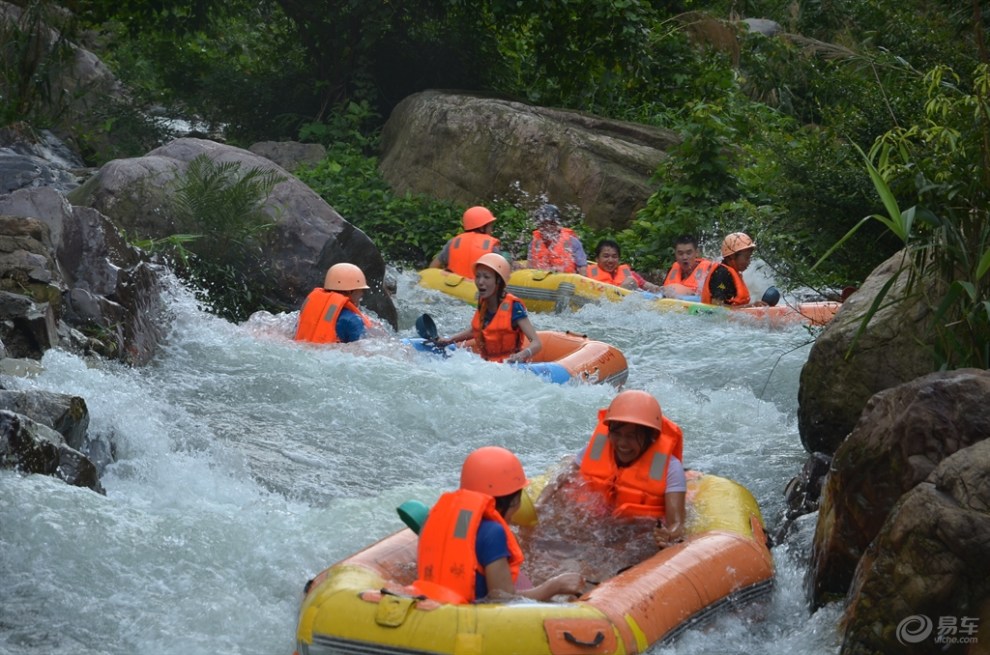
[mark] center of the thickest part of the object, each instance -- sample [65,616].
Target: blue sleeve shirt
[491,546]
[350,327]
[577,251]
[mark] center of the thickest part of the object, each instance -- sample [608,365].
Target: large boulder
[903,434]
[470,148]
[71,265]
[309,235]
[895,348]
[923,585]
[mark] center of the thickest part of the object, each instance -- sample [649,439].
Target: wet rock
[76,262]
[896,348]
[30,447]
[803,492]
[67,415]
[903,434]
[930,561]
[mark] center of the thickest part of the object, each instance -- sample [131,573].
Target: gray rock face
[471,149]
[75,267]
[63,413]
[902,436]
[308,237]
[290,155]
[31,447]
[894,350]
[931,560]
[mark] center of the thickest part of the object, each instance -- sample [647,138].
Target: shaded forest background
[777,131]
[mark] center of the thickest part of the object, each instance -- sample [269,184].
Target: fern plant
[220,211]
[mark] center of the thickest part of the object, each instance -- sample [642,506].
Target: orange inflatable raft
[363,604]
[565,357]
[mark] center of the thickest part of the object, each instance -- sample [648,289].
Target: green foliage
[406,229]
[32,60]
[697,189]
[221,213]
[945,162]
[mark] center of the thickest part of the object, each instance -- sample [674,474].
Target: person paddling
[501,323]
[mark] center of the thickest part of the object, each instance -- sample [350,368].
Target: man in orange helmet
[689,272]
[725,285]
[460,253]
[466,550]
[330,314]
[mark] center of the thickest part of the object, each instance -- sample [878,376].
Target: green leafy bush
[220,211]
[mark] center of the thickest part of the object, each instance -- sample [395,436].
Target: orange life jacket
[695,280]
[555,258]
[465,249]
[742,291]
[446,560]
[498,339]
[637,489]
[319,313]
[621,274]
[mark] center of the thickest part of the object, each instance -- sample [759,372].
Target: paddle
[771,296]
[427,330]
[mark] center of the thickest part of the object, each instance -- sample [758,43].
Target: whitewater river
[246,463]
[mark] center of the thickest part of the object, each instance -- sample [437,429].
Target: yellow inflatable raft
[544,291]
[540,291]
[362,604]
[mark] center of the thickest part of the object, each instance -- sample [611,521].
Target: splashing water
[246,463]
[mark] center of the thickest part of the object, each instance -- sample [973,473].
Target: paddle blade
[426,328]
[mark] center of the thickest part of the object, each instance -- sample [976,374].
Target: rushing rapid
[246,463]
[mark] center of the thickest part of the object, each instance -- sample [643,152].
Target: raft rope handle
[571,639]
[388,592]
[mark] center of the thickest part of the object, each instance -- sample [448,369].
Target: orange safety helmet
[497,263]
[493,470]
[635,406]
[344,277]
[735,242]
[476,217]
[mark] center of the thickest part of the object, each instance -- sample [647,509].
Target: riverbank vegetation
[772,126]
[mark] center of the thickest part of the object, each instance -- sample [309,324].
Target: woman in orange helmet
[467,551]
[330,314]
[725,284]
[460,253]
[501,322]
